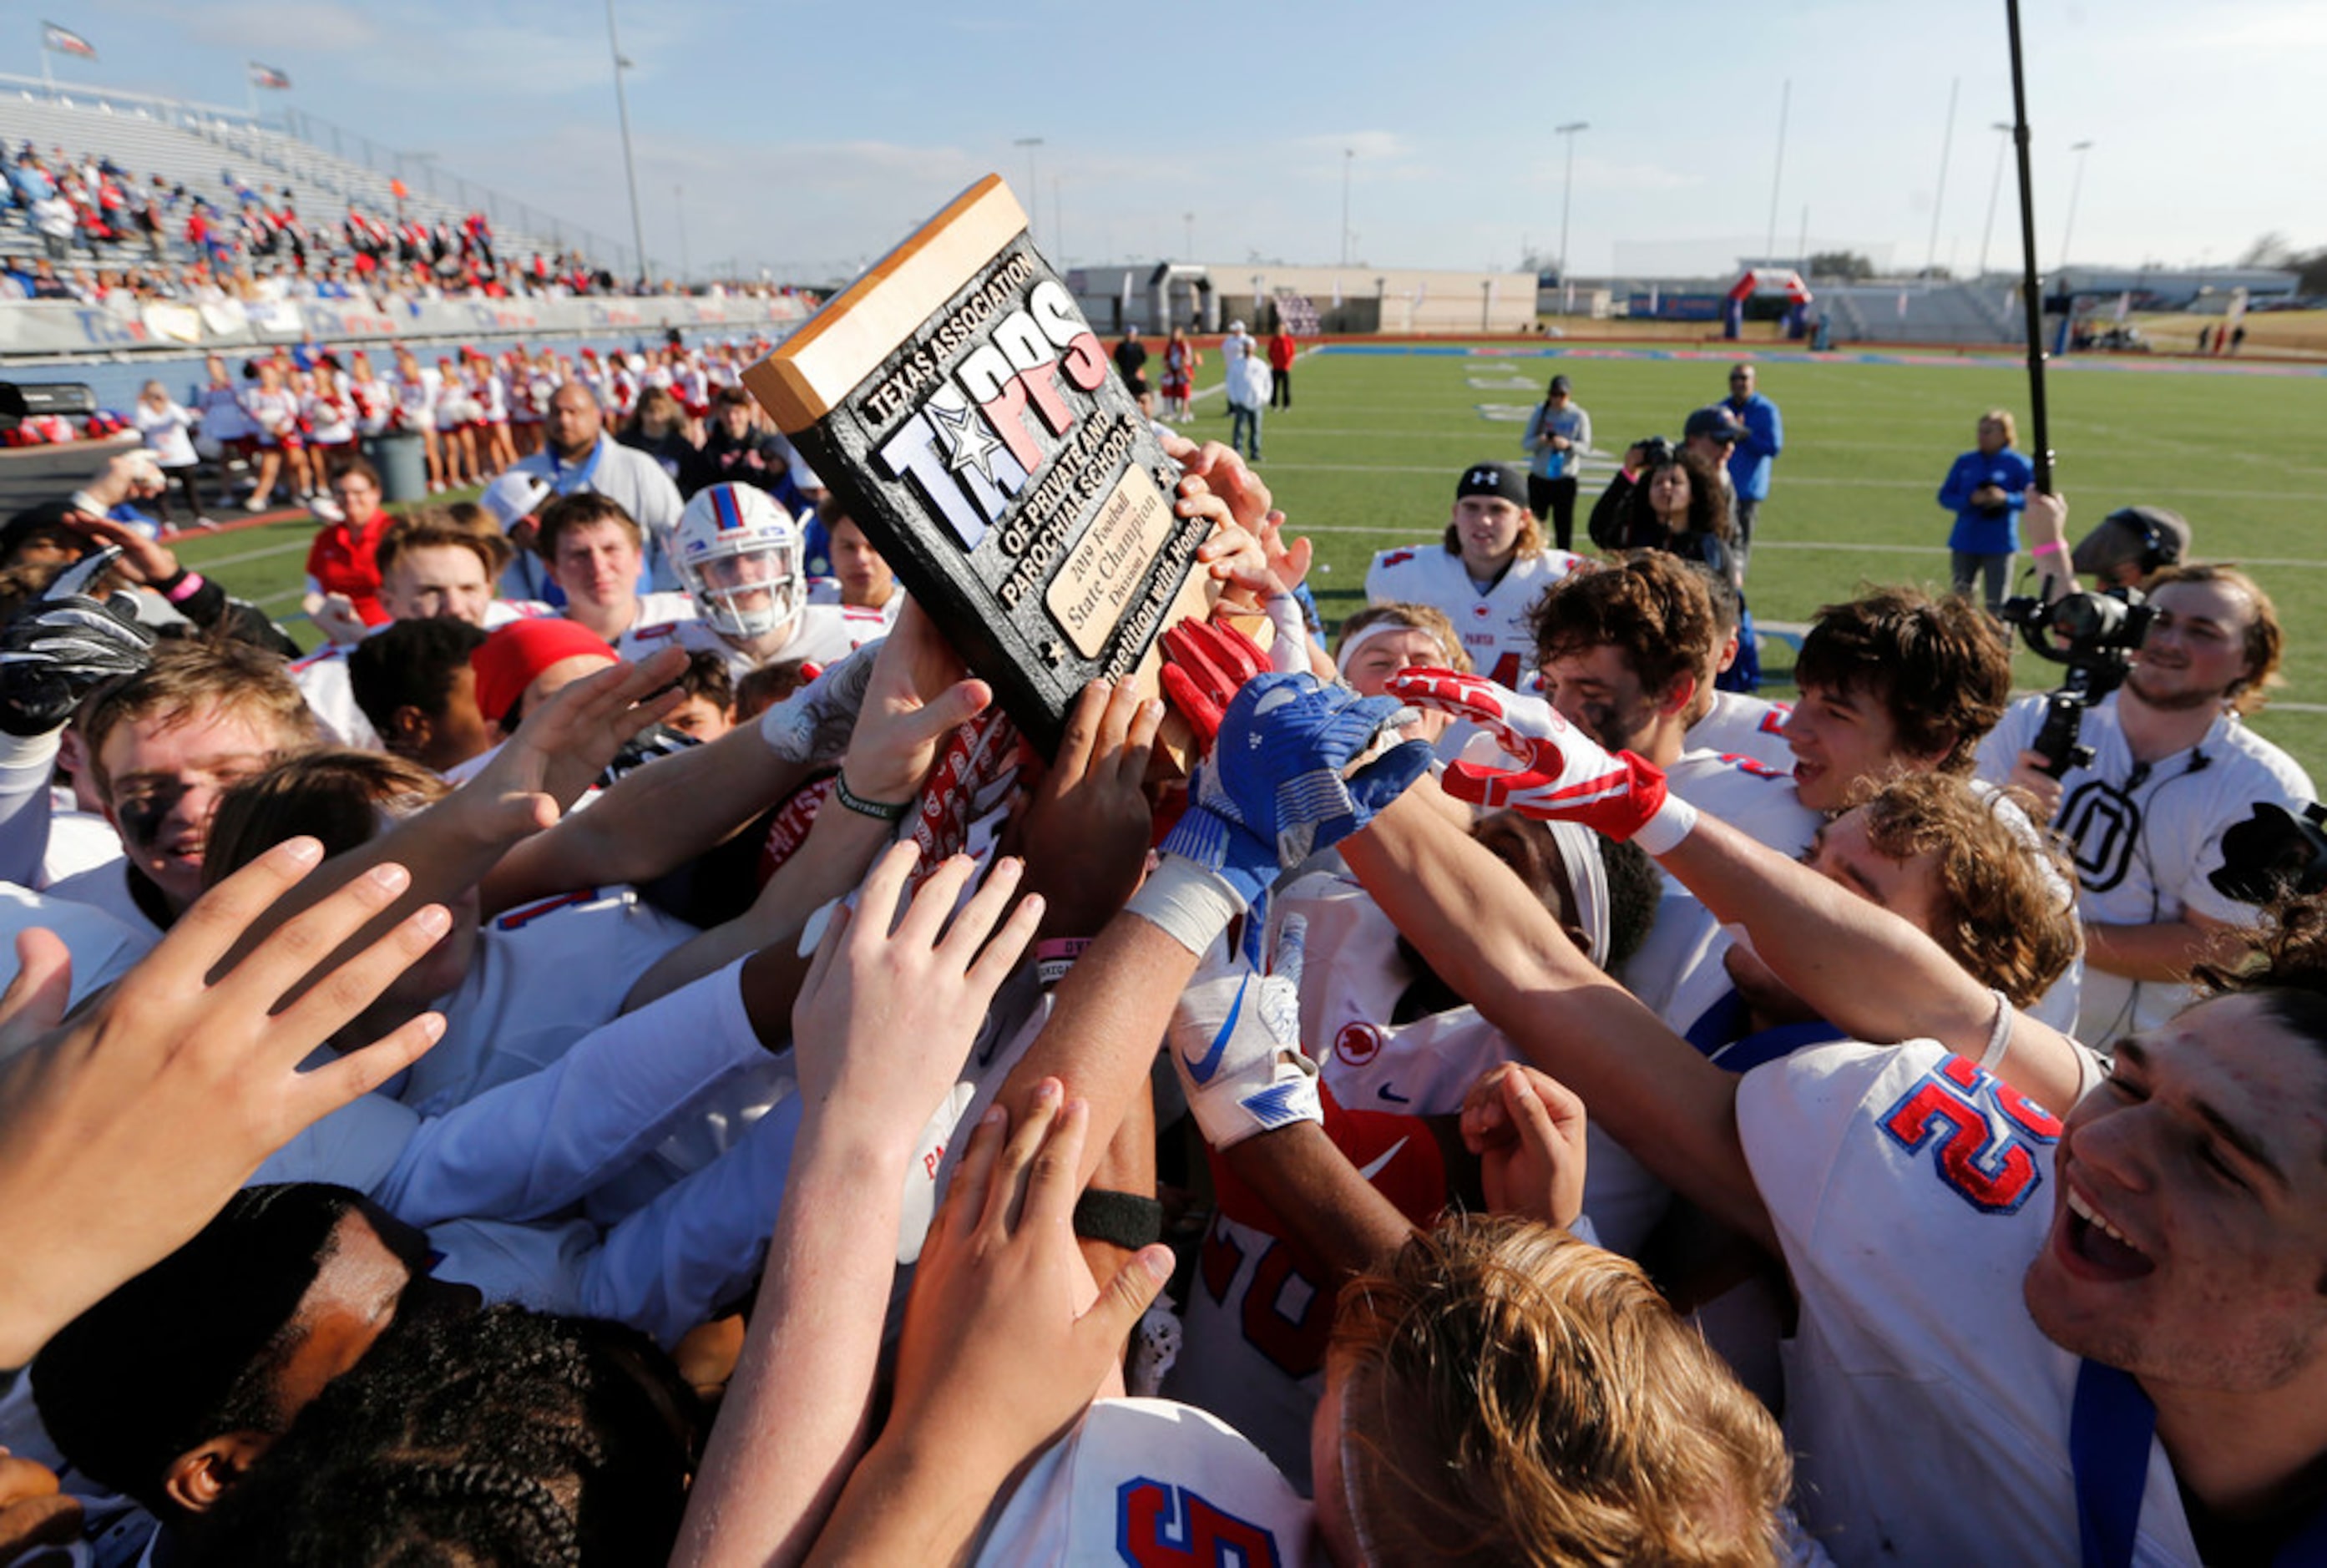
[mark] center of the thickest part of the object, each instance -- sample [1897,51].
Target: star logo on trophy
[1054,650]
[966,446]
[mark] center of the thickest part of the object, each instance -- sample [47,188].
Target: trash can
[403,463]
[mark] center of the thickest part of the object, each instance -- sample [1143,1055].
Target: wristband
[1055,957]
[1186,902]
[879,810]
[2050,547]
[182,587]
[1661,833]
[1123,1219]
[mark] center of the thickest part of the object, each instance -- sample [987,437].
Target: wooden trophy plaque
[968,419]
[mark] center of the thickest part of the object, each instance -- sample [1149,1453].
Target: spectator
[1676,507]
[1611,513]
[1986,489]
[1131,364]
[736,451]
[1247,392]
[343,592]
[1282,351]
[1761,436]
[1559,434]
[578,455]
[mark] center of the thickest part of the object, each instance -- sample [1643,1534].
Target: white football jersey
[824,633]
[1492,625]
[1677,971]
[322,678]
[2146,837]
[1146,1481]
[1737,725]
[1929,1413]
[544,976]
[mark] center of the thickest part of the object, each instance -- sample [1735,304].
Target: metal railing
[252,136]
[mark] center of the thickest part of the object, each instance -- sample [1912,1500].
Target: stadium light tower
[2075,188]
[629,165]
[1566,191]
[1994,189]
[1033,186]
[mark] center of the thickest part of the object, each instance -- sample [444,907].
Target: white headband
[1363,635]
[1588,876]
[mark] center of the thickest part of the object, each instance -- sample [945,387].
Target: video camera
[2274,852]
[2096,636]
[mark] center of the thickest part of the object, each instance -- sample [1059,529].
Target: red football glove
[1563,774]
[1205,664]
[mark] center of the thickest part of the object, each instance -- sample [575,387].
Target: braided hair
[505,1437]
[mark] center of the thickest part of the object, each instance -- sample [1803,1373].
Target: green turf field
[1369,455]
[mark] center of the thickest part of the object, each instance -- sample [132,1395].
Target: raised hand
[917,694]
[896,994]
[999,1353]
[1274,792]
[1563,774]
[64,644]
[1236,1043]
[567,743]
[812,727]
[1086,829]
[128,1128]
[1528,1130]
[1205,665]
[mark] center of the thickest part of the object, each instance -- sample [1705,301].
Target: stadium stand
[201,145]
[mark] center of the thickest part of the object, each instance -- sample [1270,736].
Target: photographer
[2173,769]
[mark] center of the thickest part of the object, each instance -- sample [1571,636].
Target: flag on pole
[65,41]
[267,76]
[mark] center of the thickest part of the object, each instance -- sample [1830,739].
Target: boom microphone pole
[2032,301]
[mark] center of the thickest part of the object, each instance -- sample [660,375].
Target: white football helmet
[738,552]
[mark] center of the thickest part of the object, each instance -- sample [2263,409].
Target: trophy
[965,414]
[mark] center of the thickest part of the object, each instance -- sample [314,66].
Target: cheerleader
[417,387]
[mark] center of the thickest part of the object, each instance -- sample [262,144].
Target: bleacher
[1297,313]
[1951,313]
[196,145]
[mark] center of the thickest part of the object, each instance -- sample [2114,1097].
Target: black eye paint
[141,816]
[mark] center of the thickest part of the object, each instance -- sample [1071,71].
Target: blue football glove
[1272,794]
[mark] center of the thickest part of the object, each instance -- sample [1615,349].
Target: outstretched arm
[1823,941]
[1495,944]
[882,1028]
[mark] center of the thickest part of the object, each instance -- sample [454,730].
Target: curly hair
[1650,606]
[507,1438]
[2004,907]
[1709,511]
[1515,1396]
[1938,667]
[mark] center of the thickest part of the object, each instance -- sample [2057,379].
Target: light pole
[1566,191]
[1778,174]
[1994,189]
[685,272]
[1033,188]
[1349,160]
[2075,188]
[1940,192]
[1189,218]
[629,165]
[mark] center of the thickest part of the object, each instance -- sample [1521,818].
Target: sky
[807,139]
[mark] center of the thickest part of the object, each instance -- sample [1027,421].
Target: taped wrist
[1673,821]
[1186,902]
